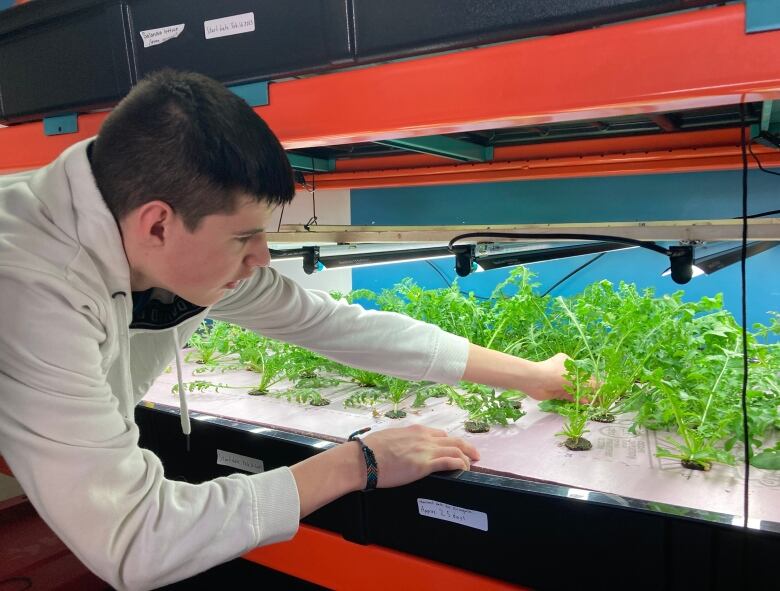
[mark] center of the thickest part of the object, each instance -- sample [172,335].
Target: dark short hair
[185,139]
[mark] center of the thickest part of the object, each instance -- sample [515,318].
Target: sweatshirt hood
[88,219]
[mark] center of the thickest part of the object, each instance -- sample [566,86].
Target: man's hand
[409,453]
[549,382]
[541,380]
[402,455]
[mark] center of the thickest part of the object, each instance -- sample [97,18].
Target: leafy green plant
[212,346]
[397,391]
[486,408]
[576,413]
[362,377]
[305,396]
[425,392]
[263,356]
[364,396]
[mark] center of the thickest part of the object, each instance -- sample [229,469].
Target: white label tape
[229,25]
[227,458]
[453,514]
[152,37]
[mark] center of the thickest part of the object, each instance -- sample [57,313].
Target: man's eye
[244,239]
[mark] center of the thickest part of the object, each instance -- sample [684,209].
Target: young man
[110,258]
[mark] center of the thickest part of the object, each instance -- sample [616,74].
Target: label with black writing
[152,37]
[453,514]
[229,25]
[245,463]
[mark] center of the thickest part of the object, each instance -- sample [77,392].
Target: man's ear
[153,222]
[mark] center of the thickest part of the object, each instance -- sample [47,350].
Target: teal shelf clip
[61,124]
[256,93]
[762,15]
[309,164]
[446,147]
[766,132]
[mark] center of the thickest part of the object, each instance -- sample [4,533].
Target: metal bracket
[61,124]
[767,131]
[447,147]
[256,93]
[762,15]
[310,164]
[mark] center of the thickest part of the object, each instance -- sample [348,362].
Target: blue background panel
[624,198]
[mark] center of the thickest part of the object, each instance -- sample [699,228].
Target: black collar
[151,313]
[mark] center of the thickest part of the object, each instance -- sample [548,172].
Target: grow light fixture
[716,261]
[680,257]
[388,257]
[508,259]
[314,261]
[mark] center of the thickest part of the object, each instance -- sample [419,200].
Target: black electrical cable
[577,270]
[558,236]
[745,426]
[313,220]
[448,282]
[439,271]
[760,215]
[281,215]
[758,162]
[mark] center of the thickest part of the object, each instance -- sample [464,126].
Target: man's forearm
[329,475]
[540,380]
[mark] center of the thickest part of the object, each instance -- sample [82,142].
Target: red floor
[32,557]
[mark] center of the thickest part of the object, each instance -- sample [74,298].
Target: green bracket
[446,147]
[762,15]
[61,124]
[309,164]
[256,93]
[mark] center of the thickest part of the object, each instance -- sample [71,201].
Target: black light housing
[681,263]
[465,255]
[311,259]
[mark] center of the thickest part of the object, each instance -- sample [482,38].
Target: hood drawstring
[120,299]
[184,412]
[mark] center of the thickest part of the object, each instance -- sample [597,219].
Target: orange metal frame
[693,59]
[329,560]
[662,153]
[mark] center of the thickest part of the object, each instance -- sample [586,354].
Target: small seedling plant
[576,413]
[397,391]
[486,408]
[263,356]
[212,346]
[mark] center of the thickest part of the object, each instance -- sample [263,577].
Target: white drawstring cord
[184,413]
[127,397]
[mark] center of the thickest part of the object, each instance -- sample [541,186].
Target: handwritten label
[230,25]
[453,514]
[245,463]
[152,37]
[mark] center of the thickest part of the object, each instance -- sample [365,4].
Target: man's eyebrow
[251,232]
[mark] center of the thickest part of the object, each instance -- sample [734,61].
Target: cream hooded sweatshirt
[74,362]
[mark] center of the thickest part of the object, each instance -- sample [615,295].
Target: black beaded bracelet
[372,469]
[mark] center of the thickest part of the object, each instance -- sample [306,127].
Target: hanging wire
[313,219]
[758,162]
[577,270]
[281,215]
[743,265]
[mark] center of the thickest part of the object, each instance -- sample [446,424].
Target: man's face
[201,266]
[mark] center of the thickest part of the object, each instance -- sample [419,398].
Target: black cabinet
[62,56]
[239,41]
